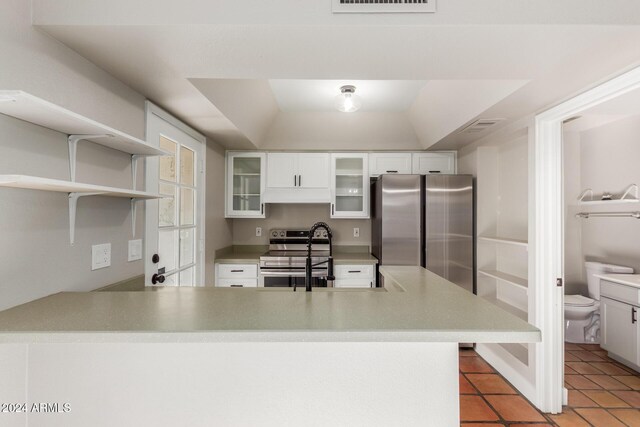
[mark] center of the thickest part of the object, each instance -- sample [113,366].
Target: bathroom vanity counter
[623,279]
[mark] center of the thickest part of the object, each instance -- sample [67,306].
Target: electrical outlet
[258,231]
[356,232]
[100,256]
[135,250]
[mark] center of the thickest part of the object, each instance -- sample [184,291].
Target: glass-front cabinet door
[245,185]
[349,185]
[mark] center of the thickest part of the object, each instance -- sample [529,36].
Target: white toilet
[582,314]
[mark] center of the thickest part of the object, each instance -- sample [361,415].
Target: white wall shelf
[608,202]
[75,191]
[505,277]
[633,188]
[30,108]
[504,240]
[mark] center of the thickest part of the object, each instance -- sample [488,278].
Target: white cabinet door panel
[382,163]
[313,170]
[428,163]
[282,170]
[619,331]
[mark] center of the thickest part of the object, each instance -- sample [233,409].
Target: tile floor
[602,393]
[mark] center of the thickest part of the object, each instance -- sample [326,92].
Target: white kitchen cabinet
[313,170]
[620,330]
[245,185]
[354,276]
[282,170]
[434,162]
[236,275]
[383,163]
[349,185]
[298,170]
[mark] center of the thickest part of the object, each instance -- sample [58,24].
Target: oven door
[290,277]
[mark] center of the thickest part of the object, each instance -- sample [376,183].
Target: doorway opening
[557,268]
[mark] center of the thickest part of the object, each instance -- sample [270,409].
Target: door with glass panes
[349,185]
[174,223]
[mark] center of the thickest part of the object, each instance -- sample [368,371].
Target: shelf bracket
[584,194]
[73,207]
[134,168]
[73,149]
[134,211]
[632,187]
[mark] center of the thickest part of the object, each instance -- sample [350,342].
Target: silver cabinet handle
[633,315]
[237,271]
[434,171]
[237,286]
[333,209]
[262,208]
[392,171]
[295,180]
[355,271]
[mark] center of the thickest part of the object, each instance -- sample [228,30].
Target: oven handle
[281,273]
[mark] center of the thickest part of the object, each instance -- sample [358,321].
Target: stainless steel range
[284,264]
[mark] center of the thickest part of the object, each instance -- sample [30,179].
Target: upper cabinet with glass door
[245,185]
[349,185]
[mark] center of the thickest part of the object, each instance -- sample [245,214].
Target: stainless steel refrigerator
[426,220]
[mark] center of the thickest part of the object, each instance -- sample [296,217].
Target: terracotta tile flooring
[602,393]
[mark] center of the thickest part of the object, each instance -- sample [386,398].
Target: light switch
[258,231]
[135,250]
[356,232]
[100,256]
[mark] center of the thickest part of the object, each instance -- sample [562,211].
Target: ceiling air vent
[480,125]
[384,6]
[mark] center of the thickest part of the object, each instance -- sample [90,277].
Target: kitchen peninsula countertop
[239,254]
[415,306]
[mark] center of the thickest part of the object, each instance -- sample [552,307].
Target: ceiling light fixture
[348,101]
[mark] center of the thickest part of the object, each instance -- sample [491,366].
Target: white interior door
[174,250]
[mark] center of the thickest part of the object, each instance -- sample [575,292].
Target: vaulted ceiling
[260,74]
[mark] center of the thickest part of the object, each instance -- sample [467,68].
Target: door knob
[155,258]
[157,278]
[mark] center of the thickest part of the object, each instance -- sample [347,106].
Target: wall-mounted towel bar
[635,215]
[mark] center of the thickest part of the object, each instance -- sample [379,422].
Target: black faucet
[309,266]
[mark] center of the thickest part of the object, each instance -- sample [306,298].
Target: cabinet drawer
[427,163]
[353,283]
[354,271]
[232,271]
[387,163]
[237,283]
[620,292]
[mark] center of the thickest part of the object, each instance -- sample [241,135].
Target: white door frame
[547,247]
[152,109]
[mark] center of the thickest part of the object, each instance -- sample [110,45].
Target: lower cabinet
[236,275]
[355,276]
[620,330]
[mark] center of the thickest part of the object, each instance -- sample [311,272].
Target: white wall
[338,131]
[36,258]
[607,160]
[218,229]
[283,216]
[573,257]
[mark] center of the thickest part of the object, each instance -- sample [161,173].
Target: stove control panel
[297,234]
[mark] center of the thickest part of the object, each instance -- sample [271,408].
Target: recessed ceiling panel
[318,95]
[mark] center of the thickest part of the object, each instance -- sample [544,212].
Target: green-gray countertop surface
[415,306]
